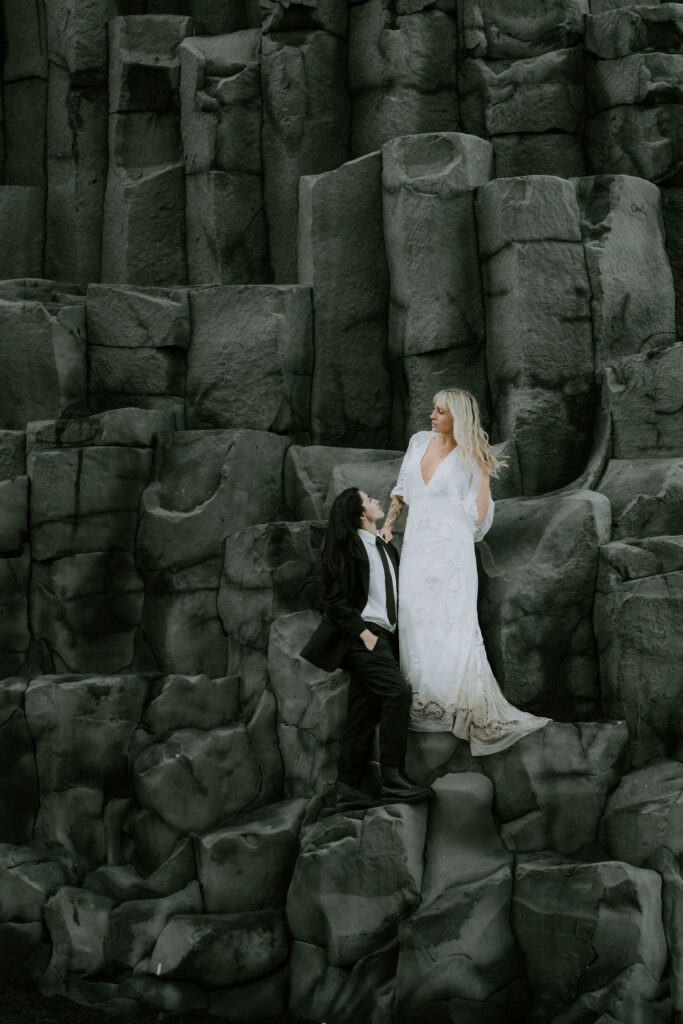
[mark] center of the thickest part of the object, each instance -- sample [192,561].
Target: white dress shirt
[376,608]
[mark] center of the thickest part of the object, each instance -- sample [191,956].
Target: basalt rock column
[22,219]
[436,313]
[251,359]
[143,237]
[218,16]
[137,346]
[672,209]
[638,603]
[613,951]
[341,256]
[634,96]
[521,83]
[538,567]
[44,373]
[24,91]
[402,70]
[15,563]
[305,113]
[76,136]
[206,485]
[221,127]
[539,348]
[87,595]
[632,300]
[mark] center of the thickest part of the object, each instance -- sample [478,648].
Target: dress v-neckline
[426,483]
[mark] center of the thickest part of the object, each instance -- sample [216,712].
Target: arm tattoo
[394,513]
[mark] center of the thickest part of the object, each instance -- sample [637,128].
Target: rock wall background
[242,245]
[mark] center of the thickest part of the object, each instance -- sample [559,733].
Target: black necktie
[388,582]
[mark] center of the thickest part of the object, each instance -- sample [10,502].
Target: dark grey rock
[305,129]
[46,372]
[251,359]
[248,864]
[644,813]
[637,605]
[538,812]
[632,303]
[341,256]
[341,856]
[613,947]
[536,287]
[311,707]
[402,72]
[646,496]
[536,601]
[221,949]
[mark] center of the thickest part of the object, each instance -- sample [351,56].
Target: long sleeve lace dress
[441,646]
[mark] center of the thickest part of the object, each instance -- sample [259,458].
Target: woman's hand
[369,639]
[386,534]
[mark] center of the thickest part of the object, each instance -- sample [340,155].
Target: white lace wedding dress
[441,646]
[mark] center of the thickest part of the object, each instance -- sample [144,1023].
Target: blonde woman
[444,480]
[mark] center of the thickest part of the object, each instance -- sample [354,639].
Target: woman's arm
[392,517]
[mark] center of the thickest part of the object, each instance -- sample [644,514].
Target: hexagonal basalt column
[87,596]
[206,485]
[402,71]
[538,631]
[305,124]
[634,96]
[221,118]
[143,236]
[638,603]
[436,312]
[341,256]
[521,83]
[251,359]
[632,301]
[539,346]
[137,346]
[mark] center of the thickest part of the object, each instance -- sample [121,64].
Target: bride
[445,481]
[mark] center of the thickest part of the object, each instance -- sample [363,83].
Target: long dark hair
[341,539]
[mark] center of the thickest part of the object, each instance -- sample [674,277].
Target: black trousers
[377,693]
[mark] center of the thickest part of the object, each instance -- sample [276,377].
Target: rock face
[143,237]
[557,541]
[220,90]
[402,74]
[248,371]
[341,256]
[613,949]
[522,253]
[640,581]
[242,245]
[633,103]
[436,315]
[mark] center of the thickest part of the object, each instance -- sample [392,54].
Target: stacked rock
[244,243]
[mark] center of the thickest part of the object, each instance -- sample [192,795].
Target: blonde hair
[471,438]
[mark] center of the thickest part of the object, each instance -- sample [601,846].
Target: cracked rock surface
[244,243]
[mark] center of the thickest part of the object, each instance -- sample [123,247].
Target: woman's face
[442,421]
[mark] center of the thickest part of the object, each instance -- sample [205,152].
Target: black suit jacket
[344,600]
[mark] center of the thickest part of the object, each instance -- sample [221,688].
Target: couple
[424,668]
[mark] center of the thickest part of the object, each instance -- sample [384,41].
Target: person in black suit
[358,633]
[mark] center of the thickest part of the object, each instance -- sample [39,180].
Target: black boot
[398,788]
[351,799]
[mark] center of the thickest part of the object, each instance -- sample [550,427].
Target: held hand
[386,534]
[369,639]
